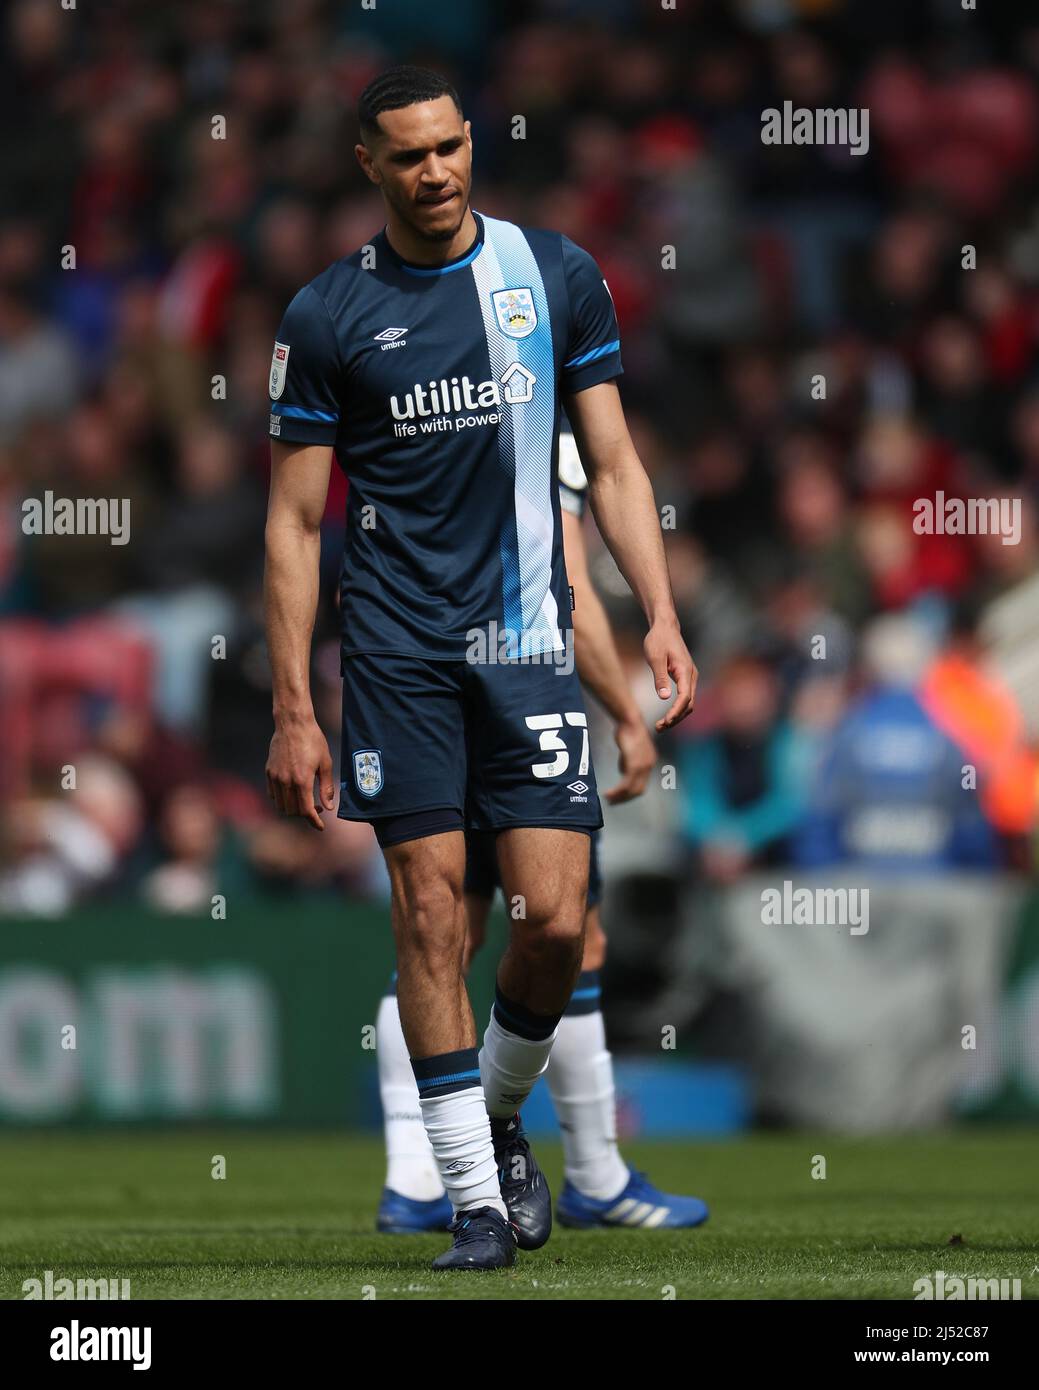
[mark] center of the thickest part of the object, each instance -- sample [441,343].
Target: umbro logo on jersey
[579,788]
[391,338]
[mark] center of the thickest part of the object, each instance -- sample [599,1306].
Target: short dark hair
[400,86]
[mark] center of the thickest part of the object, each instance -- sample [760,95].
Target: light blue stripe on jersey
[592,356]
[524,438]
[487,278]
[299,412]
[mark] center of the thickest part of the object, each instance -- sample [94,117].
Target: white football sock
[580,1079]
[460,1134]
[411,1168]
[509,1066]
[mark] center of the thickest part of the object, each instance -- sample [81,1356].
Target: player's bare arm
[622,502]
[299,752]
[600,669]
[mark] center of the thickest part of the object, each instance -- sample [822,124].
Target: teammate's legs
[411,1170]
[580,1079]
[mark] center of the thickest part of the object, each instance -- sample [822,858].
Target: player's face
[422,161]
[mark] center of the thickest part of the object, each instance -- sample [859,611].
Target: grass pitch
[294,1219]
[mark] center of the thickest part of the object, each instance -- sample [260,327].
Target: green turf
[294,1219]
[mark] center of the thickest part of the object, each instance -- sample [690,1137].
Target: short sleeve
[573,485]
[304,380]
[593,350]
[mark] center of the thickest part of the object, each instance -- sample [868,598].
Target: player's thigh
[428,909]
[403,738]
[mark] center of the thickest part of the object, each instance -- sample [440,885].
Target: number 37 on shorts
[507,744]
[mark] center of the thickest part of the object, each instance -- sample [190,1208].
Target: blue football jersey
[440,390]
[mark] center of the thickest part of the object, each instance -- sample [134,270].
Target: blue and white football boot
[640,1205]
[408,1216]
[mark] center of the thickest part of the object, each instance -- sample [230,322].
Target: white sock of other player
[515,1052]
[411,1168]
[459,1131]
[580,1079]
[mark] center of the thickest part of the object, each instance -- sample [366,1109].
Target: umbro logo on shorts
[579,788]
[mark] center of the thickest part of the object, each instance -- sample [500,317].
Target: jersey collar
[432,271]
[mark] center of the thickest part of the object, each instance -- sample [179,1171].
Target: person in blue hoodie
[892,792]
[741,783]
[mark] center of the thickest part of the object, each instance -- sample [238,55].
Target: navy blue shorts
[481,867]
[503,744]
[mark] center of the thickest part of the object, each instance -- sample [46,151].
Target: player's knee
[550,937]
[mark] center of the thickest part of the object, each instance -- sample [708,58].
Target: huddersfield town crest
[368,771]
[517,317]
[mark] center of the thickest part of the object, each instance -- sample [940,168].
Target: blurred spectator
[39,371]
[189,832]
[740,789]
[975,709]
[62,851]
[889,793]
[201,554]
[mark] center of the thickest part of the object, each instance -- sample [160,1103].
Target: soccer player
[436,361]
[600,1189]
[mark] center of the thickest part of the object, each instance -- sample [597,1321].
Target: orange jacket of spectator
[982,717]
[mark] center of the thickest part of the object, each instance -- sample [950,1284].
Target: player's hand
[299,756]
[637,757]
[668,656]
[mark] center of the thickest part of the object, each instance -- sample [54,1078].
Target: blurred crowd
[834,337]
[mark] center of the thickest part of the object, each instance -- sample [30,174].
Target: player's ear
[364,159]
